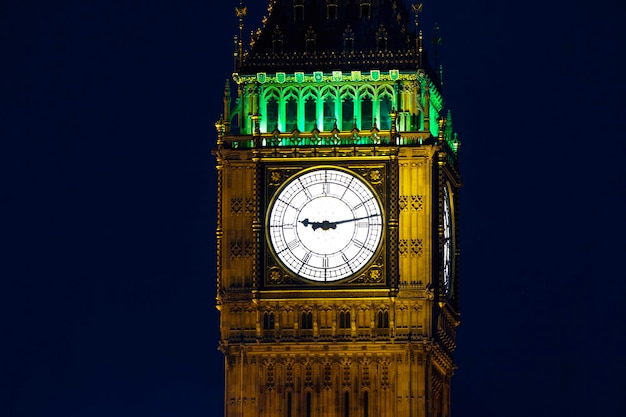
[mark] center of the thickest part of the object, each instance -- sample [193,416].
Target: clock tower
[337,227]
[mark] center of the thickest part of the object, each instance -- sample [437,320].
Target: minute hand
[356,219]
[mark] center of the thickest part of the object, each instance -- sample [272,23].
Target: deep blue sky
[108,203]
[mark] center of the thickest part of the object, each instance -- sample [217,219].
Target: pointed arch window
[310,113]
[289,404]
[271,114]
[382,319]
[346,404]
[385,112]
[363,318]
[307,320]
[344,320]
[329,113]
[291,114]
[268,321]
[347,113]
[367,113]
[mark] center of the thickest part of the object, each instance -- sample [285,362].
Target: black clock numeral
[293,244]
[306,257]
[325,262]
[347,261]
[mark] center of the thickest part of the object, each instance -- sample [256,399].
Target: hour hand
[325,225]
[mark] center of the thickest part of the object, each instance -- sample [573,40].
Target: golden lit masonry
[338,182]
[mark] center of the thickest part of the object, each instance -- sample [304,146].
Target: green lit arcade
[332,87]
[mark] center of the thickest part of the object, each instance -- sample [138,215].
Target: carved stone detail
[241,249]
[411,203]
[410,247]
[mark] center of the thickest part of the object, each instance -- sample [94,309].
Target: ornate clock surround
[376,175]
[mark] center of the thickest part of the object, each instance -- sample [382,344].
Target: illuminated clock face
[447,242]
[325,225]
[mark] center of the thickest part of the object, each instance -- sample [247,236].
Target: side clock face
[447,241]
[325,224]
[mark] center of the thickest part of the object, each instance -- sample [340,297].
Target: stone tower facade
[337,227]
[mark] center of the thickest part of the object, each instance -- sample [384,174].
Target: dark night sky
[108,199]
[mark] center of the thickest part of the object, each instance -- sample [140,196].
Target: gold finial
[417,9]
[241,11]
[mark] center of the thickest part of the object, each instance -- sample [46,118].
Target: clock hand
[353,220]
[325,225]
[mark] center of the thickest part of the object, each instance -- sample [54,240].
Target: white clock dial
[325,225]
[447,242]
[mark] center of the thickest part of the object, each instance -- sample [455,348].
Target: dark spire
[241,12]
[335,35]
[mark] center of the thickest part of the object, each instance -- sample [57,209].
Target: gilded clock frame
[375,176]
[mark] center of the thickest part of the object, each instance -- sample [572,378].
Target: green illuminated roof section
[335,74]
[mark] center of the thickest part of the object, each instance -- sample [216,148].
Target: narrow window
[271,116]
[291,113]
[308,404]
[329,114]
[346,404]
[307,320]
[347,113]
[310,114]
[367,112]
[268,321]
[289,404]
[344,320]
[385,110]
[383,319]
[366,404]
